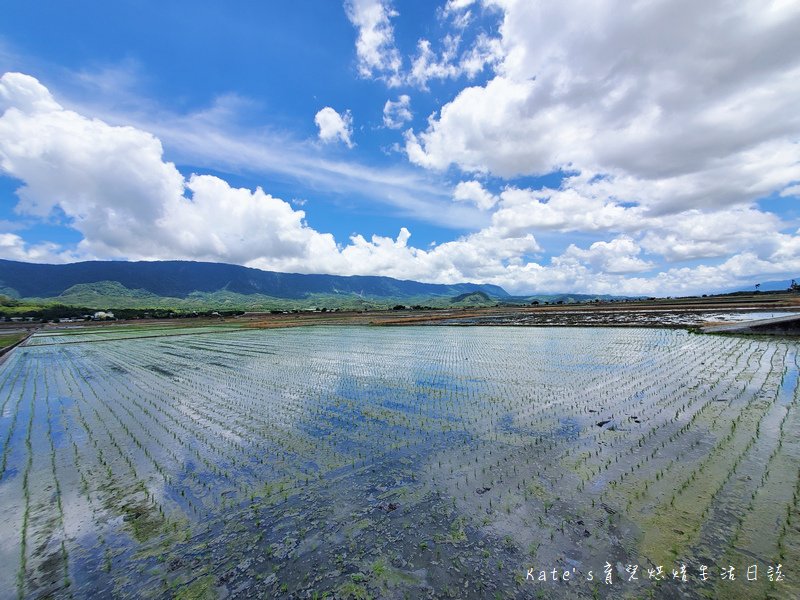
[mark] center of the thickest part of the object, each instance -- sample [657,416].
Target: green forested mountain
[185,284]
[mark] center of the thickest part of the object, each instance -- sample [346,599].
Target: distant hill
[472,298]
[767,286]
[567,298]
[193,284]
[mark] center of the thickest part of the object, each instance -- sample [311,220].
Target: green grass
[9,339]
[199,589]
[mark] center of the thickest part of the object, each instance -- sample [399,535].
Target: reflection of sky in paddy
[294,445]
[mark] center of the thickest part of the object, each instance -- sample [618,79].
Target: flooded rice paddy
[658,317]
[357,462]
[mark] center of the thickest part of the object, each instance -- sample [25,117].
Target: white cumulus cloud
[379,58]
[334,126]
[679,103]
[397,113]
[14,247]
[619,255]
[793,190]
[474,192]
[375,47]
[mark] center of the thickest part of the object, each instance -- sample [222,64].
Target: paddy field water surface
[401,462]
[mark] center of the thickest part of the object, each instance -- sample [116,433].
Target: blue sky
[595,147]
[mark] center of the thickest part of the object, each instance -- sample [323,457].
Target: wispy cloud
[214,138]
[375,47]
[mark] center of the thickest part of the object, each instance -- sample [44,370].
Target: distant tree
[758,286]
[8,301]
[794,287]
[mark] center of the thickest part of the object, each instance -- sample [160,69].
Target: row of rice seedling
[700,402]
[103,471]
[17,393]
[765,509]
[43,548]
[713,400]
[78,335]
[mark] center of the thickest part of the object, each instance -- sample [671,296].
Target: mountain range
[188,284]
[767,286]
